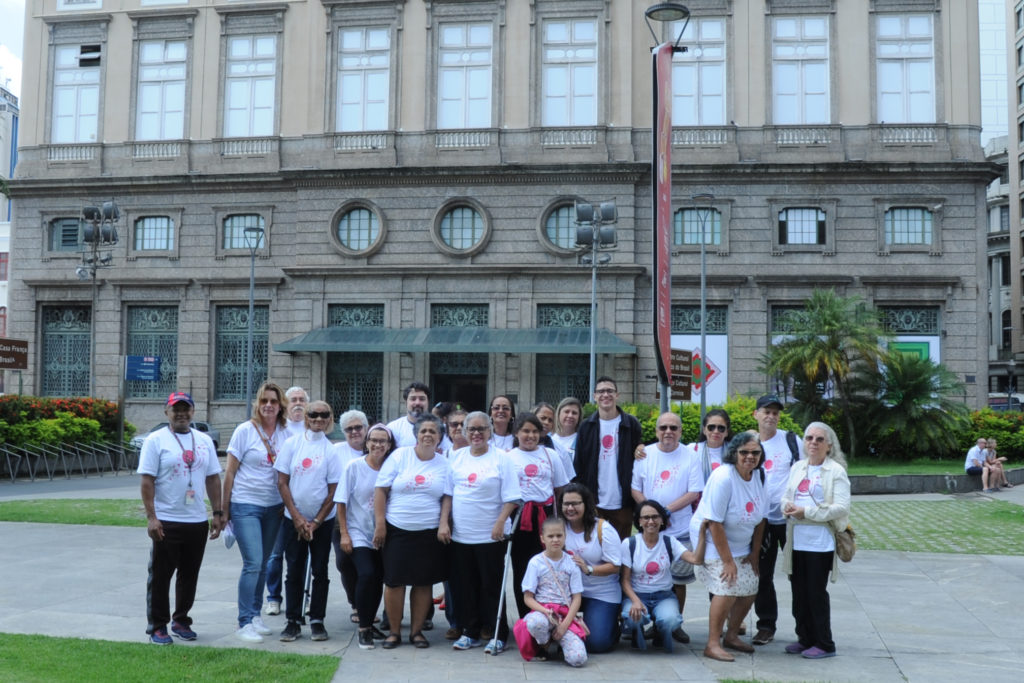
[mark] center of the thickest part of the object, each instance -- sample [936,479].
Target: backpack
[794,447]
[668,547]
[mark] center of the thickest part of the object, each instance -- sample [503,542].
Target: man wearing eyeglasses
[671,474]
[604,456]
[781,449]
[354,424]
[417,398]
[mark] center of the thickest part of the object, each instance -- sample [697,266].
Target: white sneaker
[260,627]
[273,607]
[248,634]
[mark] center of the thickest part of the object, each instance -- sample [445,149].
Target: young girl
[553,589]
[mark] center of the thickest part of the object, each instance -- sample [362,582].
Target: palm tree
[832,339]
[915,406]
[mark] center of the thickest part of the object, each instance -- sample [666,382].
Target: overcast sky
[12,24]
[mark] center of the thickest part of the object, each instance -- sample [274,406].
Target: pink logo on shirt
[653,568]
[665,475]
[472,478]
[531,470]
[768,464]
[420,479]
[607,440]
[804,486]
[750,506]
[714,466]
[307,463]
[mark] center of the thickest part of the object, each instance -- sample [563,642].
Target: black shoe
[680,636]
[291,632]
[763,636]
[376,633]
[428,624]
[318,631]
[366,640]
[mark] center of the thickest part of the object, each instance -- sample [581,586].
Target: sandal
[354,617]
[419,640]
[392,641]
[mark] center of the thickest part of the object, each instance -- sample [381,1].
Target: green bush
[35,419]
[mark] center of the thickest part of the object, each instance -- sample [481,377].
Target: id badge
[190,497]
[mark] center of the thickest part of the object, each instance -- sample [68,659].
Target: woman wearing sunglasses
[816,504]
[308,475]
[715,432]
[734,505]
[252,502]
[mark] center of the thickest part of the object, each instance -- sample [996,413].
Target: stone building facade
[414,166]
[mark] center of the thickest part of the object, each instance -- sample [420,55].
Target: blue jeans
[256,530]
[664,608]
[275,566]
[603,621]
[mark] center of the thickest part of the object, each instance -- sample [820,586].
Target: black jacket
[588,450]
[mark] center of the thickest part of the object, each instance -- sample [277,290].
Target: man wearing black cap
[781,450]
[174,464]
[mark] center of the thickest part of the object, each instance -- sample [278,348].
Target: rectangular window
[905,68]
[800,70]
[698,75]
[250,85]
[235,236]
[364,61]
[65,355]
[802,226]
[4,257]
[153,233]
[569,73]
[464,76]
[161,94]
[76,93]
[1004,270]
[354,378]
[688,226]
[153,331]
[65,234]
[231,350]
[908,226]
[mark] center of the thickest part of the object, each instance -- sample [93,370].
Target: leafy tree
[830,341]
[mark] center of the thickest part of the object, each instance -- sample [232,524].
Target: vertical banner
[661,184]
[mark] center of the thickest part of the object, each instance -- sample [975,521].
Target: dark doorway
[469,391]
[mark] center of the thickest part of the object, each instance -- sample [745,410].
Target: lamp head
[663,12]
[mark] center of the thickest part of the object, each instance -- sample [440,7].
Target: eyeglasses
[318,415]
[351,428]
[455,424]
[601,392]
[477,430]
[716,428]
[671,428]
[501,409]
[378,442]
[814,439]
[650,518]
[750,454]
[572,503]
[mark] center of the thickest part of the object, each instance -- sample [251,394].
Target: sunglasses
[455,424]
[716,428]
[815,439]
[477,430]
[318,415]
[501,409]
[671,428]
[750,454]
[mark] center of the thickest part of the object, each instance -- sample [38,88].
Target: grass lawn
[918,466]
[102,512]
[33,658]
[986,527]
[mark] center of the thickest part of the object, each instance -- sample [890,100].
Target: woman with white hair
[354,425]
[816,504]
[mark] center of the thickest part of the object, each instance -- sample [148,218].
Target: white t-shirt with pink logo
[816,538]
[651,567]
[311,466]
[539,472]
[665,477]
[417,486]
[778,460]
[609,490]
[355,491]
[739,505]
[481,485]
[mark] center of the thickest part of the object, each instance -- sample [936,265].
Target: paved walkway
[896,616]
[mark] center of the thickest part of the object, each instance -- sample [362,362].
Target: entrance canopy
[455,339]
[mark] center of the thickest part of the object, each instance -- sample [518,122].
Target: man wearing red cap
[173,463]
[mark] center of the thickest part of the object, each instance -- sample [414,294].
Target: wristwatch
[590,570]
[218,513]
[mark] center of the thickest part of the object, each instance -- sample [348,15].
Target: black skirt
[414,558]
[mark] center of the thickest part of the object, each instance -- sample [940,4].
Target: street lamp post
[1010,368]
[254,240]
[593,235]
[99,230]
[702,215]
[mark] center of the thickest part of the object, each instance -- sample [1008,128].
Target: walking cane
[504,578]
[309,580]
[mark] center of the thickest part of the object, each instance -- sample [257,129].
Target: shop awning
[460,339]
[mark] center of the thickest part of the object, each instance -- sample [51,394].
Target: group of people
[983,459]
[425,500]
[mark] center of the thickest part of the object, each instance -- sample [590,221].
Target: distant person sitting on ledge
[994,464]
[975,463]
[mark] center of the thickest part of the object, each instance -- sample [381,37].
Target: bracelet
[317,521]
[218,513]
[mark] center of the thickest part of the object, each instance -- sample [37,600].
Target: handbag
[846,544]
[578,620]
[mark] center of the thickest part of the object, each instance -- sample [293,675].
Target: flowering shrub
[35,419]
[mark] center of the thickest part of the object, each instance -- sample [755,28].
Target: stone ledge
[868,484]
